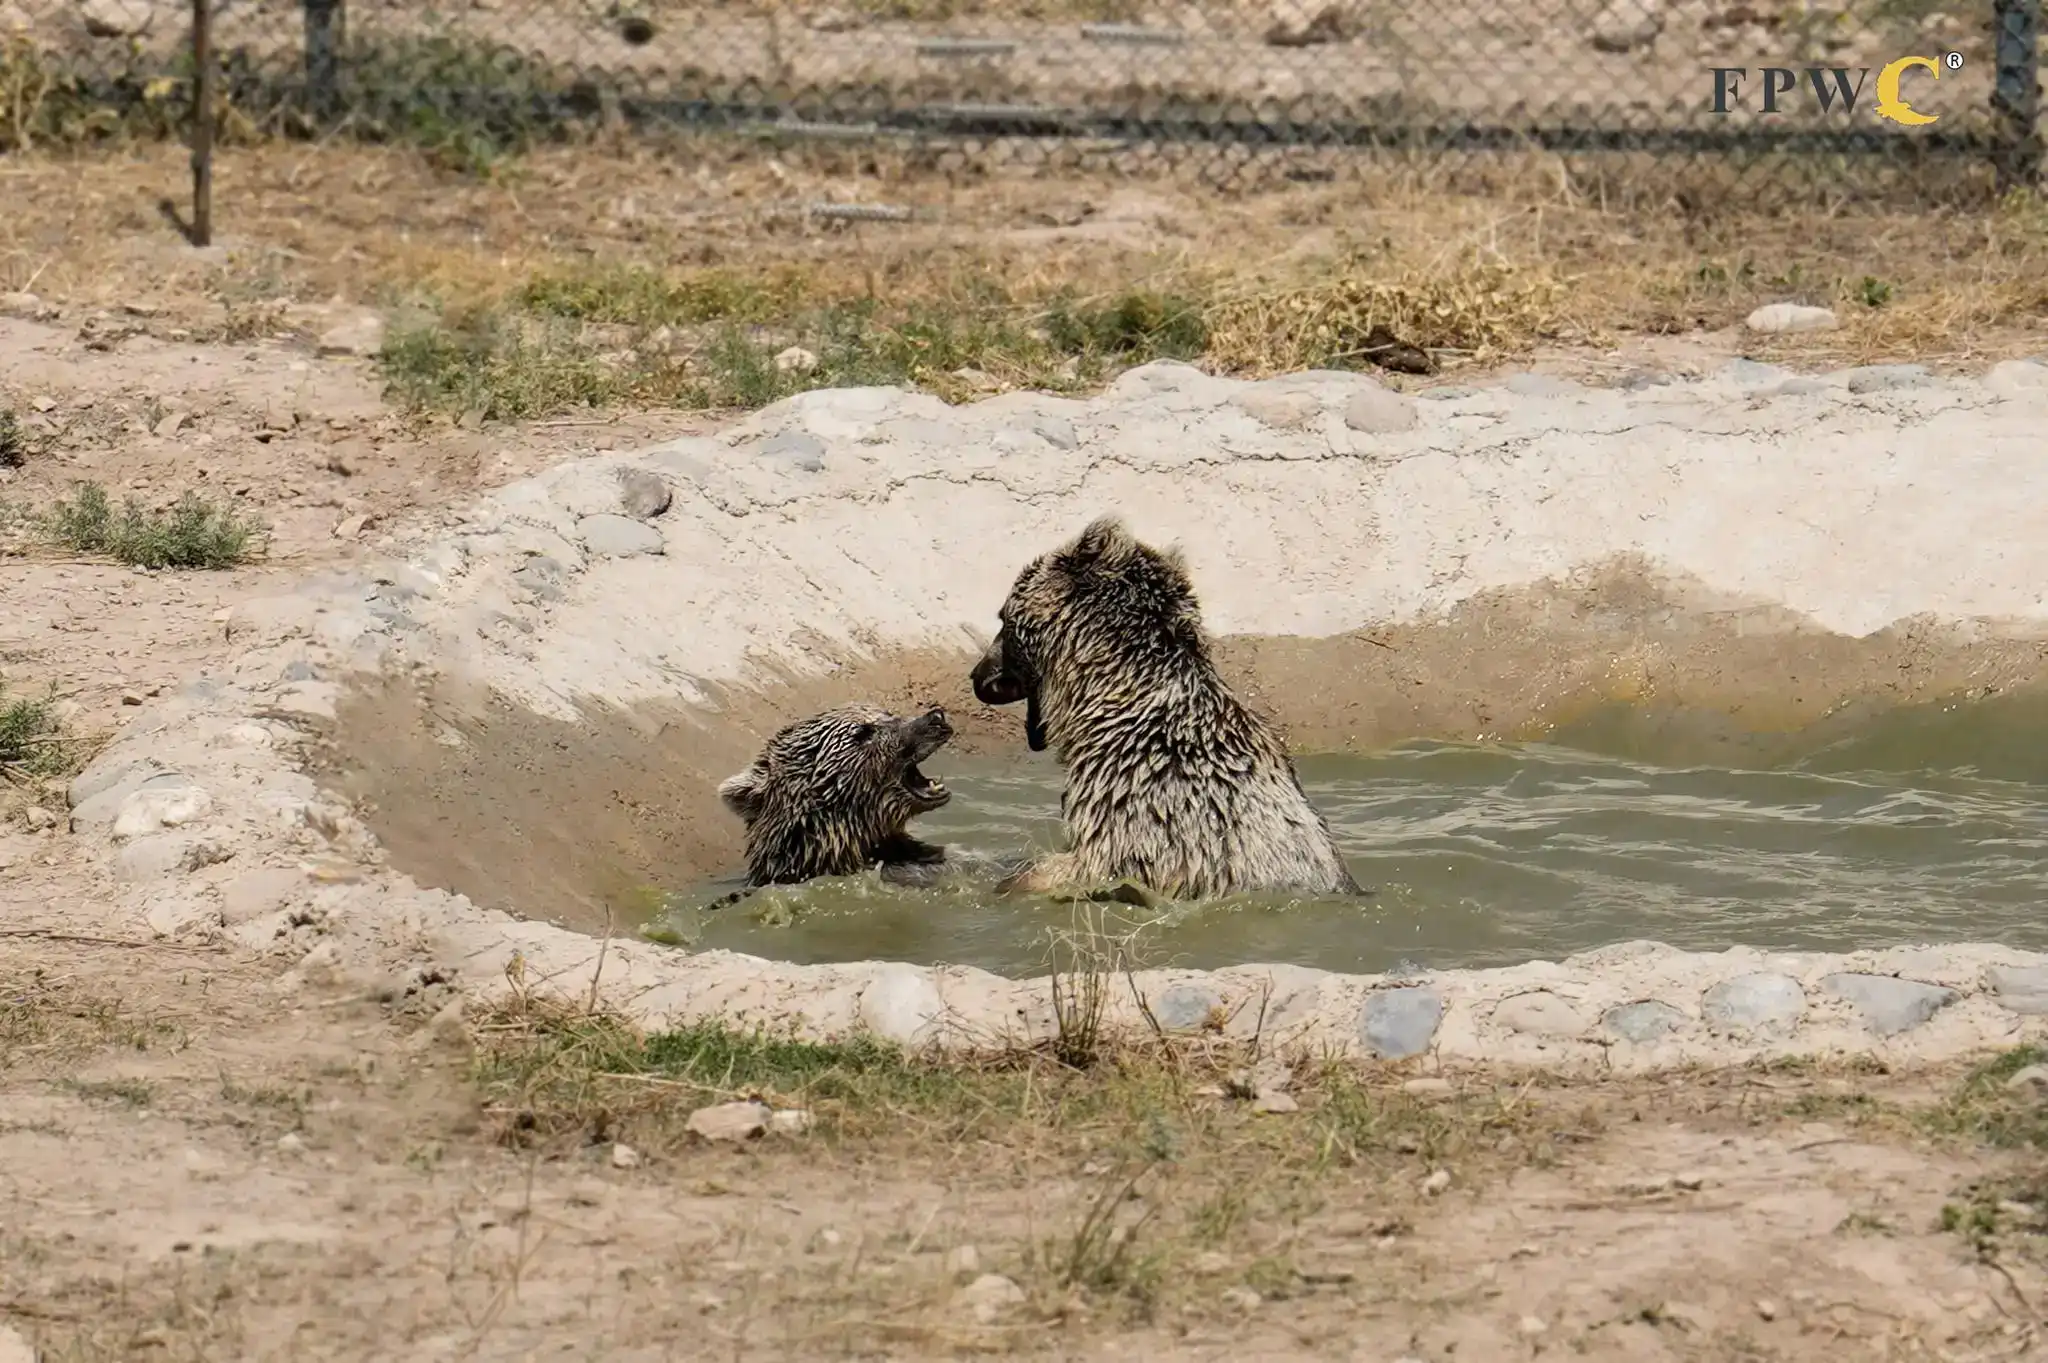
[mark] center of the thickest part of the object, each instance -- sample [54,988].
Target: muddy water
[1919,825]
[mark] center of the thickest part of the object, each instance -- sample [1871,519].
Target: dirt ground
[197,1163]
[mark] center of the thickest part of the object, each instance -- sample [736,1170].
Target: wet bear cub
[833,795]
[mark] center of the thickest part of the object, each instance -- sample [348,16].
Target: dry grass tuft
[48,1019]
[1474,309]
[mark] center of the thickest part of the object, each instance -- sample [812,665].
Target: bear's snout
[993,684]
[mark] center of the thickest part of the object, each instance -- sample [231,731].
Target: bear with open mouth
[833,794]
[1171,781]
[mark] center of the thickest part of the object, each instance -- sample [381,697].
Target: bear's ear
[1105,537]
[744,794]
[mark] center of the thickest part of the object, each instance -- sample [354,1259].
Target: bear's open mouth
[923,789]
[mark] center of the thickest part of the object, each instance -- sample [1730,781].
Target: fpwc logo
[1836,85]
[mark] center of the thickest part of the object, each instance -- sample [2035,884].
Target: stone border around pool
[210,827]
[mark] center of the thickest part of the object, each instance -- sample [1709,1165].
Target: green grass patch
[194,532]
[719,340]
[34,744]
[1985,1110]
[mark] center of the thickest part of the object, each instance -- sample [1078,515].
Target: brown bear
[1171,781]
[831,795]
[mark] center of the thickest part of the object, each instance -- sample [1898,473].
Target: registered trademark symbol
[1953,61]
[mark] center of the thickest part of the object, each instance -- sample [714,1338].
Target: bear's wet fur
[1171,781]
[833,794]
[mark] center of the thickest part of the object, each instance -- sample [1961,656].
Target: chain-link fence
[1708,91]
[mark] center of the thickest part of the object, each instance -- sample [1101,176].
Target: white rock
[37,818]
[116,18]
[1377,411]
[1437,1182]
[729,1121]
[291,1143]
[1303,23]
[963,1261]
[609,536]
[247,736]
[901,1004]
[990,1297]
[795,360]
[145,811]
[362,334]
[1241,1298]
[15,1349]
[1774,318]
[790,1121]
[1625,25]
[624,1156]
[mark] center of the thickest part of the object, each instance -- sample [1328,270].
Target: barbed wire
[1710,97]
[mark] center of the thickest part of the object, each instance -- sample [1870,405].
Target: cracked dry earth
[198,1162]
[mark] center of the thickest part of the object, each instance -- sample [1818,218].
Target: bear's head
[826,789]
[1103,609]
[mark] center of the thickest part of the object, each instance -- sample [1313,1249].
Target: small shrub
[13,441]
[192,533]
[33,744]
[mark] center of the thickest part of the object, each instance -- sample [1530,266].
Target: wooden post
[2016,96]
[324,20]
[202,124]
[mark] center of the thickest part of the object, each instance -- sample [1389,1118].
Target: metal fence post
[324,20]
[2016,98]
[202,124]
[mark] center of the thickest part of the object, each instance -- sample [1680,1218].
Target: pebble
[291,1143]
[1283,411]
[1209,1263]
[790,1121]
[118,19]
[1376,411]
[609,536]
[1766,1308]
[1428,1085]
[348,527]
[643,495]
[624,1156]
[732,1122]
[1691,1182]
[1436,1182]
[1304,23]
[361,335]
[990,1297]
[1532,1326]
[1398,1023]
[1242,1298]
[37,818]
[1275,1103]
[1776,318]
[799,449]
[161,807]
[1625,25]
[795,360]
[963,1262]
